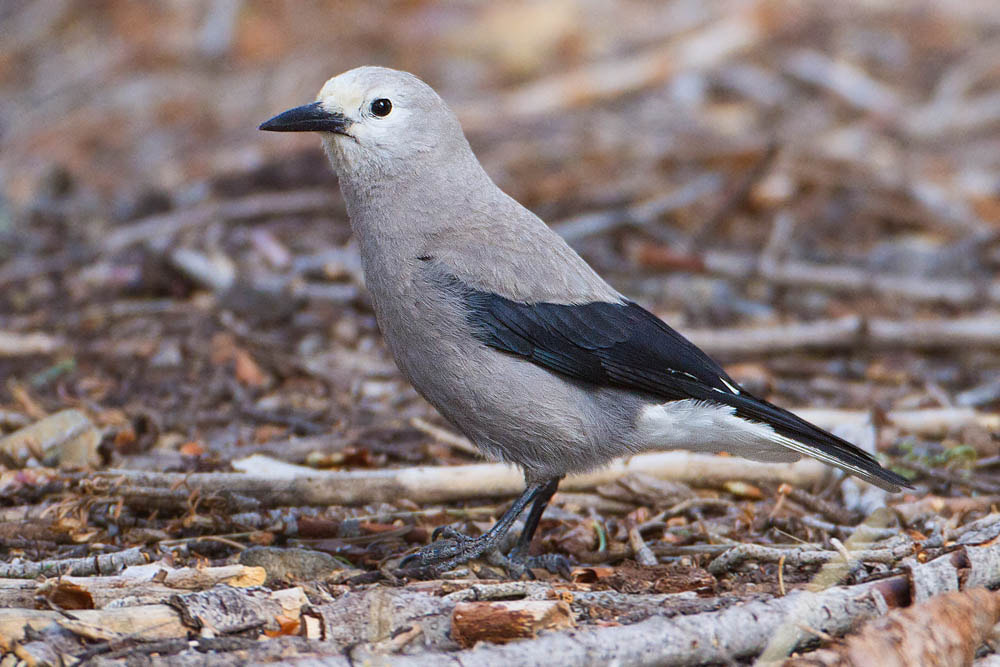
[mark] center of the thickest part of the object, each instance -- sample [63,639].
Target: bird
[501,326]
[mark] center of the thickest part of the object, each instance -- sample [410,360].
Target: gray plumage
[505,329]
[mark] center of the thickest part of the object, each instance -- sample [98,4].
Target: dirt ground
[192,379]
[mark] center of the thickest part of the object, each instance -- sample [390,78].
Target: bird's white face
[378,120]
[376,114]
[374,121]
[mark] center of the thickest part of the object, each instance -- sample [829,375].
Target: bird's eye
[381,107]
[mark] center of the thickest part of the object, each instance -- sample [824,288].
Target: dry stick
[286,484]
[219,608]
[732,559]
[14,344]
[700,50]
[444,436]
[851,332]
[99,564]
[928,422]
[850,83]
[834,278]
[144,584]
[643,213]
[145,623]
[230,210]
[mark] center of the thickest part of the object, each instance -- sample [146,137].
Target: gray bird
[507,331]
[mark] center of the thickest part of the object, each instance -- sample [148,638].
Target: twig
[14,344]
[643,213]
[445,436]
[829,510]
[232,210]
[828,277]
[643,554]
[852,332]
[952,477]
[99,564]
[700,50]
[850,83]
[798,557]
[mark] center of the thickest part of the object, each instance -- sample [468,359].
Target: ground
[810,193]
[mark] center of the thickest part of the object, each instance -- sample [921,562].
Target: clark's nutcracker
[509,333]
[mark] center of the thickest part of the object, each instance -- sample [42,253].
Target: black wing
[624,345]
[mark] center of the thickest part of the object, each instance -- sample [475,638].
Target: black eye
[381,107]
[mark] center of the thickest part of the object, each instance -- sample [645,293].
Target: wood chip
[501,622]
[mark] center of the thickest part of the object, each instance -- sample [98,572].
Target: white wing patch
[735,390]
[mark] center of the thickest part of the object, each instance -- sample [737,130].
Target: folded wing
[623,345]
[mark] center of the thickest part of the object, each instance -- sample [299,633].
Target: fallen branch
[738,555]
[851,332]
[142,584]
[144,623]
[99,564]
[826,277]
[928,422]
[230,210]
[702,49]
[272,483]
[221,609]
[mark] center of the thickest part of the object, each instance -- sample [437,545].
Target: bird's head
[377,121]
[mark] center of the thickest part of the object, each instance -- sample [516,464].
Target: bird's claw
[448,549]
[519,566]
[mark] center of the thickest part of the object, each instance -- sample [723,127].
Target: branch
[851,332]
[272,483]
[100,564]
[229,210]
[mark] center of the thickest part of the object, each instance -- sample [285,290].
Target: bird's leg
[518,562]
[520,550]
[455,548]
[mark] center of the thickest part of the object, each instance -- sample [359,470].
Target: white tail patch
[702,426]
[712,427]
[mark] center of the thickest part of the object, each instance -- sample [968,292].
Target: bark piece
[504,621]
[380,613]
[224,608]
[146,623]
[945,631]
[932,578]
[67,439]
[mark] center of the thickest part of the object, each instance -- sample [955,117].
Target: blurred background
[810,190]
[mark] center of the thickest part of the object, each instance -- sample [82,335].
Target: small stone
[291,564]
[67,439]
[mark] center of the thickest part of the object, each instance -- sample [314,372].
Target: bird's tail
[798,435]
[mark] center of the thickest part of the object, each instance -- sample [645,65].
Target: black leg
[456,548]
[534,516]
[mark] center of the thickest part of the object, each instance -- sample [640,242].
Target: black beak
[307,118]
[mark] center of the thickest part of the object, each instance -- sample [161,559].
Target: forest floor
[207,453]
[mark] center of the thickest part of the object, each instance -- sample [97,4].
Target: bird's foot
[518,565]
[448,549]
